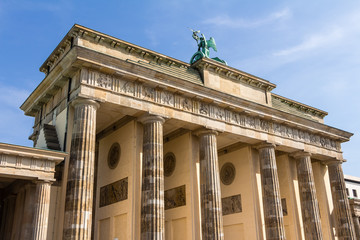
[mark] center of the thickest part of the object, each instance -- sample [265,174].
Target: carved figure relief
[148,93]
[186,104]
[175,197]
[227,173]
[167,98]
[264,125]
[128,87]
[169,164]
[219,113]
[104,81]
[231,205]
[204,108]
[250,122]
[114,192]
[114,155]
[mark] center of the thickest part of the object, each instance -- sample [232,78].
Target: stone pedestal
[211,209]
[41,214]
[274,225]
[345,226]
[152,190]
[79,191]
[309,203]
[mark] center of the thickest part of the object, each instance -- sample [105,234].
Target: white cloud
[339,30]
[313,42]
[226,21]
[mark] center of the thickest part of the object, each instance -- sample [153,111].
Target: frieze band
[195,105]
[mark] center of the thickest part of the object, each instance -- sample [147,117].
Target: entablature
[223,112]
[28,163]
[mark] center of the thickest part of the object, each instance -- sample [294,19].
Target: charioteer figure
[204,47]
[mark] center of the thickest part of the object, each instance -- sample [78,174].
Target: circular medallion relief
[114,155]
[227,173]
[169,164]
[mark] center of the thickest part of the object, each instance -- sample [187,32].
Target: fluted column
[152,189]
[211,209]
[41,214]
[344,222]
[309,203]
[79,191]
[274,223]
[354,208]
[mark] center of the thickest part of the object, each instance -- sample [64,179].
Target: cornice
[233,73]
[22,151]
[104,39]
[300,106]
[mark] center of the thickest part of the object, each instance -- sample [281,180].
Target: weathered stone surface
[344,222]
[152,195]
[274,224]
[175,197]
[231,204]
[355,211]
[41,215]
[79,191]
[114,192]
[309,203]
[211,210]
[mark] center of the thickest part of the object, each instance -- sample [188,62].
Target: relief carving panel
[231,205]
[175,197]
[114,192]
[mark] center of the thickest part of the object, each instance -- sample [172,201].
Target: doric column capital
[265,145]
[300,154]
[205,131]
[149,118]
[334,162]
[41,181]
[84,101]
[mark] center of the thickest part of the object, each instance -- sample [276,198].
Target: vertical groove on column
[274,225]
[79,192]
[211,209]
[41,215]
[152,194]
[345,225]
[309,202]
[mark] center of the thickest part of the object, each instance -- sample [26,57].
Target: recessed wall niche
[169,164]
[114,155]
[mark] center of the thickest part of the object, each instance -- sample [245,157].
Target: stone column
[309,203]
[356,226]
[344,222]
[41,214]
[152,189]
[79,190]
[27,215]
[355,211]
[211,209]
[274,224]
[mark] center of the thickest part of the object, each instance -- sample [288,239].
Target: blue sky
[310,49]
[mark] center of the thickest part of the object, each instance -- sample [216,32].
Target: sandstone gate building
[133,144]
